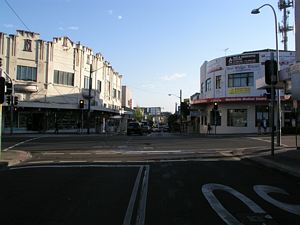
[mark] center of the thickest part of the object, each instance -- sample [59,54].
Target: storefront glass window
[237,117]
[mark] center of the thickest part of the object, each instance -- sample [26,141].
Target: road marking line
[37,162]
[269,141]
[79,153]
[72,161]
[140,220]
[28,166]
[222,212]
[20,143]
[53,153]
[128,215]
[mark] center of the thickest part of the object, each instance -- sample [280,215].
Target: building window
[86,82]
[26,73]
[218,82]
[202,88]
[208,85]
[119,95]
[88,59]
[114,93]
[237,117]
[65,78]
[27,45]
[99,86]
[261,113]
[240,79]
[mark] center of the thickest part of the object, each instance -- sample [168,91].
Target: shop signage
[239,90]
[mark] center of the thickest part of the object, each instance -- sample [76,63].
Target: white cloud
[120,17]
[73,28]
[8,25]
[61,28]
[175,76]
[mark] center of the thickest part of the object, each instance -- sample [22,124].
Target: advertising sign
[242,59]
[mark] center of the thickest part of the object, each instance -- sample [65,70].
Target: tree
[138,114]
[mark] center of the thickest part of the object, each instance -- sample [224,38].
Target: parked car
[145,127]
[134,128]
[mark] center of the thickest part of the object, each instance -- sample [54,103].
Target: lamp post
[89,98]
[257,11]
[180,99]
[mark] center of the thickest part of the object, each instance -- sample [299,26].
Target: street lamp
[89,98]
[257,11]
[180,99]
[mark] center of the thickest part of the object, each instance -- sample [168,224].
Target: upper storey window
[240,79]
[27,45]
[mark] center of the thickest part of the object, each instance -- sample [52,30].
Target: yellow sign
[239,90]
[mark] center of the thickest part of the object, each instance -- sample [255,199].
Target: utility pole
[89,100]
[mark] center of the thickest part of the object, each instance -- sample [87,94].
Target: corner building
[51,77]
[231,82]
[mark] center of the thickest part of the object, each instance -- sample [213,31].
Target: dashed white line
[53,153]
[80,153]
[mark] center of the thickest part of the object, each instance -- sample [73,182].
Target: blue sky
[159,45]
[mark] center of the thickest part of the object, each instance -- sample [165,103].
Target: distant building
[127,99]
[49,79]
[232,83]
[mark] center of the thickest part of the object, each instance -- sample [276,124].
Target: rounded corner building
[235,86]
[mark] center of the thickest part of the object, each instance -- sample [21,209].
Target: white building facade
[51,77]
[230,82]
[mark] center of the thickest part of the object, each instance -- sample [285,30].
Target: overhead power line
[14,11]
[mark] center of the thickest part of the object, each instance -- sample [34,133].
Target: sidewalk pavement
[287,161]
[13,157]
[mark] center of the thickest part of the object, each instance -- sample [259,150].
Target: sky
[157,45]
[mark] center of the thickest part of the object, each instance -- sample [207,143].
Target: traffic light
[16,100]
[8,88]
[81,104]
[271,71]
[216,106]
[8,99]
[2,90]
[0,62]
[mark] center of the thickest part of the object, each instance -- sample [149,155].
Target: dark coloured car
[134,128]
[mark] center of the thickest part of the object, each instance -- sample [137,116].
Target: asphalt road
[159,146]
[174,193]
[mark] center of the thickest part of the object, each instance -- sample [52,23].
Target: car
[145,127]
[134,128]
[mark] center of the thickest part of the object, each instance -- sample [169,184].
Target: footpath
[287,161]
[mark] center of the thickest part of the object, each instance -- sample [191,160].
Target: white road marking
[264,190]
[80,153]
[53,153]
[38,162]
[28,166]
[225,215]
[140,220]
[73,161]
[128,215]
[265,140]
[20,143]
